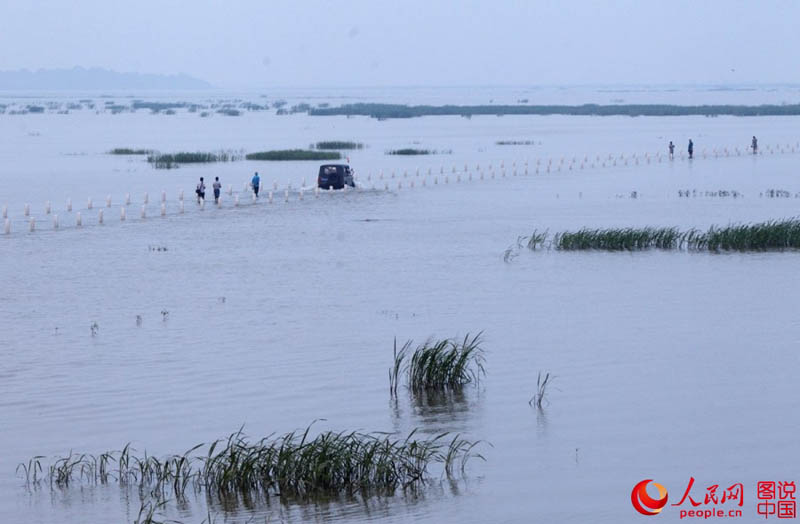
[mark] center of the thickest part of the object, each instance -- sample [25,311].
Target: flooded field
[167,332]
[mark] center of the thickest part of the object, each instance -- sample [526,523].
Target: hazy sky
[264,43]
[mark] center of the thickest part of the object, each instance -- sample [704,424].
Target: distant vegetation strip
[385,111]
[174,160]
[128,151]
[410,151]
[338,144]
[763,236]
[515,142]
[294,154]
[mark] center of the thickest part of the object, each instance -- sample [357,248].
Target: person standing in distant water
[691,148]
[217,187]
[671,150]
[256,183]
[754,145]
[201,190]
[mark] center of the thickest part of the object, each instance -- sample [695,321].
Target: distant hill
[94,78]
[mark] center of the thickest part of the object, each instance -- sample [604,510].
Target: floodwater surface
[668,365]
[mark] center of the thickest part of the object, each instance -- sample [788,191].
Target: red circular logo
[644,503]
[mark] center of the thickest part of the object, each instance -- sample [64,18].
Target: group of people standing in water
[200,190]
[690,149]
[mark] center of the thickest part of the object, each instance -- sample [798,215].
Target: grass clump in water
[294,464]
[338,144]
[515,143]
[622,239]
[294,154]
[129,151]
[542,384]
[439,365]
[410,151]
[173,160]
[770,235]
[773,235]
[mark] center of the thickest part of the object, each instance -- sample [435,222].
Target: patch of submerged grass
[761,236]
[622,239]
[129,151]
[410,151]
[156,106]
[172,160]
[294,464]
[294,154]
[515,142]
[439,365]
[338,144]
[776,234]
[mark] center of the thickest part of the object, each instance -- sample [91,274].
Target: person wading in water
[201,190]
[217,188]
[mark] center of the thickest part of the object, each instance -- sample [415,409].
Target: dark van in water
[335,176]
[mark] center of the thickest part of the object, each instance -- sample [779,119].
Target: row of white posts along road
[383,181]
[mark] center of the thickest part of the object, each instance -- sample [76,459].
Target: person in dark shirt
[201,190]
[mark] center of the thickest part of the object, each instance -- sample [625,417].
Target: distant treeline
[384,111]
